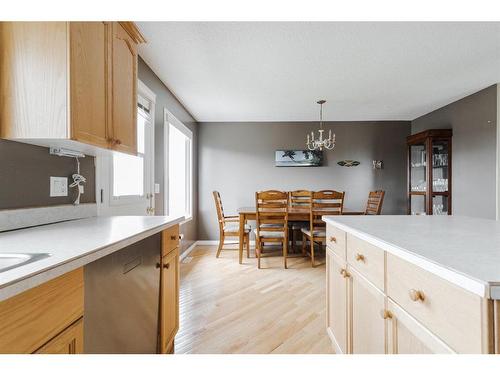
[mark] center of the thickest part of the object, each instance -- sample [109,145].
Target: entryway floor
[228,308]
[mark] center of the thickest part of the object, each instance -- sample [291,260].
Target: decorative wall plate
[348,163]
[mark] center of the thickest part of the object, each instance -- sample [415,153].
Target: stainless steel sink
[13,260]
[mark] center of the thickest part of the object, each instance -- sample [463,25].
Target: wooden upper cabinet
[33,80]
[90,64]
[124,90]
[69,81]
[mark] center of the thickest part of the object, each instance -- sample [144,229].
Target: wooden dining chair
[302,199]
[272,221]
[325,202]
[374,203]
[229,226]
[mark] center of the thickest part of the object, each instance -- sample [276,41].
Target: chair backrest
[271,212]
[374,204]
[219,208]
[300,198]
[325,202]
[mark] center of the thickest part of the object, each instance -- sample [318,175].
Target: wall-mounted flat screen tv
[299,158]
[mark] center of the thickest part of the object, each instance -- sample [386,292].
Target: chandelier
[319,143]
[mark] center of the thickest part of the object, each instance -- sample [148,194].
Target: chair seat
[271,225]
[317,233]
[235,227]
[269,234]
[298,225]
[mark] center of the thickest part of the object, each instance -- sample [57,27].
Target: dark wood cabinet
[429,172]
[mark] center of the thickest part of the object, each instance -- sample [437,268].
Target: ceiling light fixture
[319,143]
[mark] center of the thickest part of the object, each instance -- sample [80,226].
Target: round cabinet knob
[167,266]
[385,314]
[333,239]
[344,273]
[157,265]
[360,257]
[118,142]
[173,238]
[417,295]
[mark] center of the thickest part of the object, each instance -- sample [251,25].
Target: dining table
[294,214]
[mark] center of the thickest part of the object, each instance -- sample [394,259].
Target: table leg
[242,232]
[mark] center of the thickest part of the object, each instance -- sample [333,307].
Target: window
[179,154]
[129,175]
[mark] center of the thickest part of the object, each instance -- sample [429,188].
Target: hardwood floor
[226,307]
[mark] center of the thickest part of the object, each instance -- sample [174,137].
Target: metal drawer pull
[417,295]
[333,239]
[385,314]
[360,257]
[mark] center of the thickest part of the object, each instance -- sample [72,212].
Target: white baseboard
[216,242]
[186,252]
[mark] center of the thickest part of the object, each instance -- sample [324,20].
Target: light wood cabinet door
[337,283]
[30,319]
[69,341]
[407,336]
[367,328]
[90,82]
[124,91]
[169,309]
[33,80]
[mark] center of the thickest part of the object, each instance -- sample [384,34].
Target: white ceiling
[277,71]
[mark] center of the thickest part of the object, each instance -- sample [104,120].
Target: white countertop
[462,250]
[72,244]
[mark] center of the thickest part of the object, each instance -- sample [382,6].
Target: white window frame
[147,94]
[170,119]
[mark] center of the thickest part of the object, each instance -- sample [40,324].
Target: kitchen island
[43,300]
[413,284]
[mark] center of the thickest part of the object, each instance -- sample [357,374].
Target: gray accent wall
[166,99]
[474,123]
[237,159]
[25,172]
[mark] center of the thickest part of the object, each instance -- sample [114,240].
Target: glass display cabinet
[429,172]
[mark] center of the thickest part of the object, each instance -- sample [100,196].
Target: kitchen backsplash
[25,172]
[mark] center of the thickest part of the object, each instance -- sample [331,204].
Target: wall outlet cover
[157,188]
[58,186]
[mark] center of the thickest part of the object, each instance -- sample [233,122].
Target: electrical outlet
[58,186]
[157,188]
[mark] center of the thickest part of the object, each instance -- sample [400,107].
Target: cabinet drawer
[69,341]
[335,240]
[453,314]
[30,319]
[170,239]
[367,259]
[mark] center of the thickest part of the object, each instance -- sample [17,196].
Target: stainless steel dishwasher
[122,292]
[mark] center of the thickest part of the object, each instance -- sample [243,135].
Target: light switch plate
[58,186]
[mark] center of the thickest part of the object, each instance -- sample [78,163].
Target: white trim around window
[170,119]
